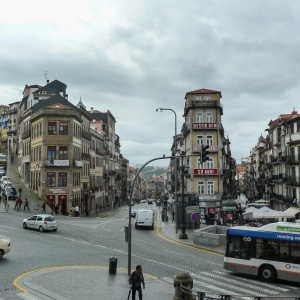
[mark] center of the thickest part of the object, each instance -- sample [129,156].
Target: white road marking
[28,296]
[255,282]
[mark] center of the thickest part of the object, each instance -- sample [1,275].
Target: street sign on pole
[193,209]
[194,217]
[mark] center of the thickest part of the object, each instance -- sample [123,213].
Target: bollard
[186,280]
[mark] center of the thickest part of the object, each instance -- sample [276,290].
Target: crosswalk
[221,283]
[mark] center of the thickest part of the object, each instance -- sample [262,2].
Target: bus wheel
[267,274]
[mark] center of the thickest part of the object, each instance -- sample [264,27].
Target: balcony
[117,141]
[85,156]
[185,129]
[269,166]
[274,159]
[86,135]
[118,177]
[78,163]
[12,132]
[293,180]
[12,111]
[293,159]
[277,197]
[26,134]
[100,151]
[57,163]
[198,148]
[112,172]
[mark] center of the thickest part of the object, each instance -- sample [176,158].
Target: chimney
[47,81]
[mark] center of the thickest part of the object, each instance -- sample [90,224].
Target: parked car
[143,201]
[41,222]
[133,212]
[2,171]
[150,201]
[11,193]
[4,245]
[5,179]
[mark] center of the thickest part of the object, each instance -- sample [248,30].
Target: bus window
[238,247]
[266,250]
[295,253]
[284,251]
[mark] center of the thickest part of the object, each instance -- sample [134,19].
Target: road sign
[193,209]
[194,217]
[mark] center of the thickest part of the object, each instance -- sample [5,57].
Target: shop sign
[209,204]
[209,197]
[57,191]
[205,125]
[206,172]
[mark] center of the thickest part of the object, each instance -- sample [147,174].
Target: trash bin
[113,261]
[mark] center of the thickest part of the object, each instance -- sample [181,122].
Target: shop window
[51,179]
[63,128]
[63,153]
[51,153]
[62,179]
[52,128]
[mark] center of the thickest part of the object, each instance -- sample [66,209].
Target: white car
[41,222]
[5,179]
[143,201]
[4,245]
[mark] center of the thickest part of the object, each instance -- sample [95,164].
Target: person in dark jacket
[136,281]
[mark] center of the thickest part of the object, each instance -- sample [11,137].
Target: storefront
[229,210]
[211,205]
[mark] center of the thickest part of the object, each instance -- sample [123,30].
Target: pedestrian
[26,204]
[17,204]
[100,207]
[76,211]
[162,216]
[20,192]
[44,208]
[20,203]
[173,216]
[52,207]
[206,219]
[136,281]
[56,209]
[12,158]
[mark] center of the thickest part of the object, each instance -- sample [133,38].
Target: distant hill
[149,171]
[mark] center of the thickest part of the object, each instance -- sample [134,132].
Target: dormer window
[197,97]
[44,92]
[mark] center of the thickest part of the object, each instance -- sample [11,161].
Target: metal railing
[190,294]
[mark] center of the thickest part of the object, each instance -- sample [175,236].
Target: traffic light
[165,203]
[204,152]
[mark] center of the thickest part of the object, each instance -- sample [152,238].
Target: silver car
[41,222]
[4,245]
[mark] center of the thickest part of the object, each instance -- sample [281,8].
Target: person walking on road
[20,203]
[206,219]
[173,215]
[17,204]
[136,281]
[20,192]
[44,208]
[26,204]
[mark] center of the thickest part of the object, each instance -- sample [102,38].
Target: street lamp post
[182,235]
[175,164]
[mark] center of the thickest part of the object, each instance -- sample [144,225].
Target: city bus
[270,252]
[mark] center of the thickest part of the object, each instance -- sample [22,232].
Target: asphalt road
[92,241]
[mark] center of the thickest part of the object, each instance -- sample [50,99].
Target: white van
[144,218]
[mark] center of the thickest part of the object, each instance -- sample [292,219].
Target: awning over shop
[293,210]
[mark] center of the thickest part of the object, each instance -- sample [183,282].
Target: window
[200,188]
[199,117]
[292,129]
[198,98]
[52,128]
[209,117]
[51,179]
[207,98]
[199,140]
[63,128]
[62,179]
[209,140]
[238,248]
[199,164]
[51,153]
[210,187]
[210,164]
[298,126]
[63,153]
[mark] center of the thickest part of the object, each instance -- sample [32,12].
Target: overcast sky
[133,56]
